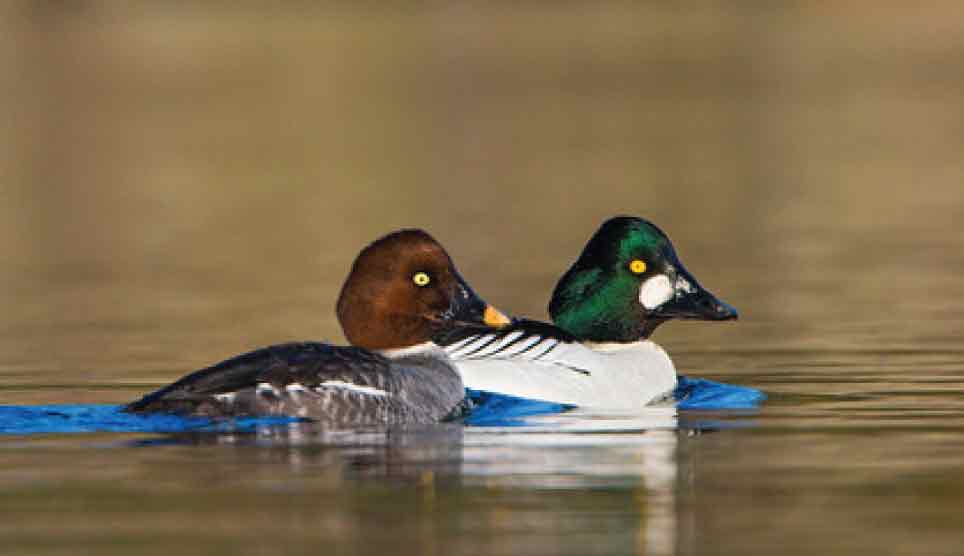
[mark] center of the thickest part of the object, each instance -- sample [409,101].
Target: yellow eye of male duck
[637,266]
[421,279]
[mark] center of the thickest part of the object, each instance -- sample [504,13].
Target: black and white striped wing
[522,341]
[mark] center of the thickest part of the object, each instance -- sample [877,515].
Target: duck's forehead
[639,240]
[425,256]
[388,259]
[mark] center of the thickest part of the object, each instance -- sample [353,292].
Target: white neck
[617,346]
[425,348]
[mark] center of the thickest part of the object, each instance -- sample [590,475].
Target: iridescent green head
[627,281]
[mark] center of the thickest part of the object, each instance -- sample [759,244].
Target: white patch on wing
[477,342]
[295,388]
[351,387]
[459,345]
[530,343]
[487,347]
[544,347]
[537,350]
[513,336]
[656,291]
[492,348]
[226,397]
[265,388]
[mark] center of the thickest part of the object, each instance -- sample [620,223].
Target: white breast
[615,376]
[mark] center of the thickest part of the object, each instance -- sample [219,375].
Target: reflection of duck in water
[627,281]
[403,290]
[404,452]
[545,473]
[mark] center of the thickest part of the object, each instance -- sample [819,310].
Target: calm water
[180,184]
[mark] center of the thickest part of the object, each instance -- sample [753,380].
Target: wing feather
[308,364]
[523,340]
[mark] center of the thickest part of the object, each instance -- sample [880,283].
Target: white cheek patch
[656,291]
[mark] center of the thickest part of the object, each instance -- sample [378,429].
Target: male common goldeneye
[627,281]
[403,290]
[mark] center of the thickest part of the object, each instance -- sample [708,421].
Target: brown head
[403,290]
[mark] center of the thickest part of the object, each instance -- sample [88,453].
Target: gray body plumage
[337,386]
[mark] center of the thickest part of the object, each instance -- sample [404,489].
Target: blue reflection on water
[699,393]
[39,419]
[498,410]
[490,410]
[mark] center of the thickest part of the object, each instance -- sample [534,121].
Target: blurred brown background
[182,181]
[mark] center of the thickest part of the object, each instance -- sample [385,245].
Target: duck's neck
[599,312]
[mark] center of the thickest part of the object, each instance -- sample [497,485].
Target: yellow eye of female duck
[421,279]
[637,266]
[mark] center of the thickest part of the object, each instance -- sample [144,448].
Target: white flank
[295,388]
[226,398]
[656,291]
[351,387]
[610,375]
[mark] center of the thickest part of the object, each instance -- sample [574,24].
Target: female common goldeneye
[627,281]
[403,290]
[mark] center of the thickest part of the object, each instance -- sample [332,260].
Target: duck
[402,291]
[597,352]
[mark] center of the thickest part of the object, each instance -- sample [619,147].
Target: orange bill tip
[494,317]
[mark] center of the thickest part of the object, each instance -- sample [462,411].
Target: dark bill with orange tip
[470,309]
